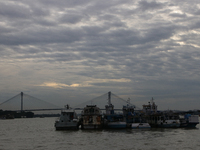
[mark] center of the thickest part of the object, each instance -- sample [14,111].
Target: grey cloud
[14,11]
[178,15]
[45,22]
[71,18]
[145,6]
[63,3]
[160,33]
[41,35]
[195,25]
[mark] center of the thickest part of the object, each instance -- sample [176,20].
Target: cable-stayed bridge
[102,100]
[24,102]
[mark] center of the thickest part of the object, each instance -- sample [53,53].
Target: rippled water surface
[40,134]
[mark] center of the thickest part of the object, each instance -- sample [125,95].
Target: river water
[40,134]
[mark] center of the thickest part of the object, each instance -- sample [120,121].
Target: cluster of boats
[93,118]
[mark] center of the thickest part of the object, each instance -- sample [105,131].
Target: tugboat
[160,119]
[68,119]
[112,120]
[91,117]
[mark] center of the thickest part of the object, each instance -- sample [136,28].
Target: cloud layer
[64,51]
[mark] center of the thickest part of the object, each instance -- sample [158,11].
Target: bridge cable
[10,99]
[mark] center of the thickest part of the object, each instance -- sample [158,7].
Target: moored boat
[134,120]
[189,121]
[67,120]
[112,120]
[160,119]
[128,113]
[91,117]
[164,121]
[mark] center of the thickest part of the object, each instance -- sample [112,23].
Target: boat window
[71,116]
[92,110]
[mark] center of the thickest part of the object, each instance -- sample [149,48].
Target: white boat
[189,121]
[68,119]
[140,126]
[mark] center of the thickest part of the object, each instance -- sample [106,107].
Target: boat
[150,108]
[129,114]
[189,121]
[111,119]
[164,121]
[157,119]
[114,121]
[134,120]
[67,120]
[91,117]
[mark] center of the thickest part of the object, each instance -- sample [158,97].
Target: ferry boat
[91,117]
[189,121]
[112,120]
[67,120]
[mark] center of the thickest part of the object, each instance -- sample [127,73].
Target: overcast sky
[70,51]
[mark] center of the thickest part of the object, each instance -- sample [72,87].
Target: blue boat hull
[188,125]
[116,125]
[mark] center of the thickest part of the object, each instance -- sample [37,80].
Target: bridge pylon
[22,94]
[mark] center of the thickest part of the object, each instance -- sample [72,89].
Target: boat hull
[140,126]
[189,121]
[188,125]
[169,126]
[66,126]
[173,125]
[116,125]
[91,127]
